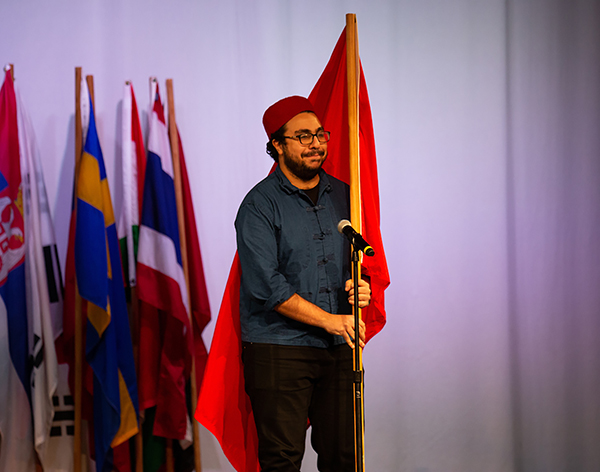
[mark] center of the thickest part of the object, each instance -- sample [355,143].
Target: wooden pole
[90,83]
[78,364]
[174,138]
[353,78]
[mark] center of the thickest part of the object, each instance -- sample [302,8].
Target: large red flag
[223,407]
[329,99]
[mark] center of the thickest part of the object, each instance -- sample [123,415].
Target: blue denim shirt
[288,245]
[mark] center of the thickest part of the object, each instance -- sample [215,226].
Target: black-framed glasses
[306,139]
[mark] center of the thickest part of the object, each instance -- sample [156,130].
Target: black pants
[289,385]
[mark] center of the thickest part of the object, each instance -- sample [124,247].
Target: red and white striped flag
[161,284]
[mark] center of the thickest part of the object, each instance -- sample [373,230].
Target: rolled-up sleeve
[257,248]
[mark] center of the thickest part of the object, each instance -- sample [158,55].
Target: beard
[299,167]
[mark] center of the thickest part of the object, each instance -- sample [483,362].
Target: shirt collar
[324,185]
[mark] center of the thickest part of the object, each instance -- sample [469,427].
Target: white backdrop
[487,119]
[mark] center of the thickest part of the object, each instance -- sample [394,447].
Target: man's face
[302,161]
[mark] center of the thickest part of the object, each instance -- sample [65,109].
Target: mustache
[318,152]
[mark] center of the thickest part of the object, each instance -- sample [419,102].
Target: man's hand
[343,325]
[304,311]
[364,292]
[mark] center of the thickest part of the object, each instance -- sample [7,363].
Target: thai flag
[161,284]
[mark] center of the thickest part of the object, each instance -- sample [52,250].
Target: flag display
[223,406]
[94,274]
[16,432]
[166,344]
[44,292]
[31,301]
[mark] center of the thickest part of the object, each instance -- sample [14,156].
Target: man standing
[295,297]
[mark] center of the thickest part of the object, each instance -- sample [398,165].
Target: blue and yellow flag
[108,347]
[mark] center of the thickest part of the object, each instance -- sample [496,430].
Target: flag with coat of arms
[16,426]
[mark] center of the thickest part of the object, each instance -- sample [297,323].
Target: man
[295,297]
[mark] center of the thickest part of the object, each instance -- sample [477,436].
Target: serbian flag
[16,431]
[223,407]
[95,266]
[166,344]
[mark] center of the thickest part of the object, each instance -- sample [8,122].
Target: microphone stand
[358,372]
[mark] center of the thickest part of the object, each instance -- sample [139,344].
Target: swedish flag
[108,347]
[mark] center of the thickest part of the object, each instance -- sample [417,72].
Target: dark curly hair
[276,136]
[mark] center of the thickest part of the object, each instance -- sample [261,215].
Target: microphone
[345,228]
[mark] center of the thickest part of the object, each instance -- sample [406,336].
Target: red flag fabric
[329,98]
[199,304]
[223,406]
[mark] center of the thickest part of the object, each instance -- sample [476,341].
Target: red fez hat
[283,111]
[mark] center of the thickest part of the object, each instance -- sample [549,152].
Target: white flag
[43,286]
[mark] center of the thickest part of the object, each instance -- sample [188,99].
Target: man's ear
[278,146]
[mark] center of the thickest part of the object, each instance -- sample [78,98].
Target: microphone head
[342,224]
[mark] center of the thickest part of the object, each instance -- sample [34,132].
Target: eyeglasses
[306,139]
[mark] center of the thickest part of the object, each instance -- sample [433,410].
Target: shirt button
[325,260]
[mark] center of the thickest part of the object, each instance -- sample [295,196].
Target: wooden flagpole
[174,138]
[90,83]
[353,77]
[78,362]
